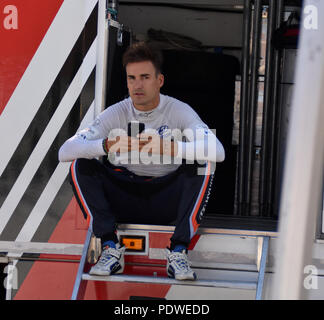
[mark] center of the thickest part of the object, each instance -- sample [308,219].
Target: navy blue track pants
[110,195]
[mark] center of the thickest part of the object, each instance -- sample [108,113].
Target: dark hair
[142,51]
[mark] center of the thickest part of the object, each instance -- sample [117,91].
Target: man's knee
[85,167]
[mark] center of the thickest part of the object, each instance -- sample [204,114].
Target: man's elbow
[63,155]
[220,151]
[221,157]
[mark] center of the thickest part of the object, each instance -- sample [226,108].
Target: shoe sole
[184,277]
[94,273]
[103,273]
[172,275]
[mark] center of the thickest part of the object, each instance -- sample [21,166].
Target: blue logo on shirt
[162,130]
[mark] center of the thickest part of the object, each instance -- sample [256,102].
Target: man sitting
[147,138]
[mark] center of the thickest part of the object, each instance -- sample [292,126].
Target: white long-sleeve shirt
[170,119]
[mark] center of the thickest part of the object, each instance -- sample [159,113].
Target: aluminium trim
[248,285]
[201,231]
[41,247]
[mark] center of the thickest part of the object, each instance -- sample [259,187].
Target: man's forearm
[76,147]
[107,144]
[209,149]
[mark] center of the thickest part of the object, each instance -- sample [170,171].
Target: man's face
[144,85]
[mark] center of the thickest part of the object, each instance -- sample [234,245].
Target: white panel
[41,73]
[47,137]
[197,293]
[302,191]
[48,195]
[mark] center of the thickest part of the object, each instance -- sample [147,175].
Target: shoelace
[107,254]
[181,260]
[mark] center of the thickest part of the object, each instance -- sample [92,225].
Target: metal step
[248,285]
[235,284]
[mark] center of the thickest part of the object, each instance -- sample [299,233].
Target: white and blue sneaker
[178,266]
[110,262]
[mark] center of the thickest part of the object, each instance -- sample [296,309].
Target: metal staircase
[257,285]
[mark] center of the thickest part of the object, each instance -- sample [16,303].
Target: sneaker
[178,266]
[110,262]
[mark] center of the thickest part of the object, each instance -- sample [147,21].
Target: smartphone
[134,128]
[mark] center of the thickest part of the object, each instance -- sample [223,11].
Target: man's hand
[123,144]
[145,142]
[154,144]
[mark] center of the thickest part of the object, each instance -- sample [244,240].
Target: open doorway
[203,47]
[200,68]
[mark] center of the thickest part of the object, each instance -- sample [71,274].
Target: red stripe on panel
[123,291]
[54,280]
[193,242]
[20,41]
